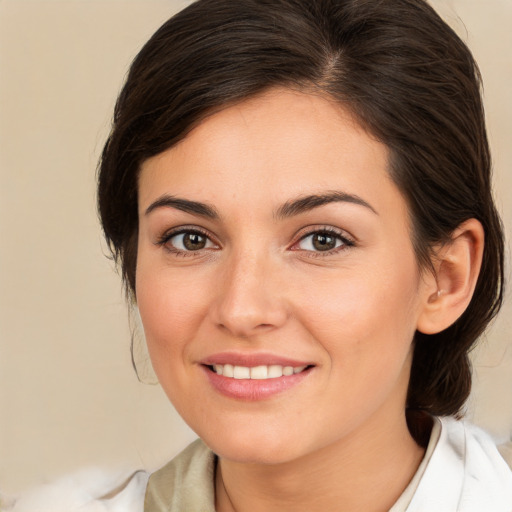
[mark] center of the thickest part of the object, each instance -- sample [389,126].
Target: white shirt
[461,471]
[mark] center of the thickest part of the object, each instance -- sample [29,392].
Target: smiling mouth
[254,381]
[262,372]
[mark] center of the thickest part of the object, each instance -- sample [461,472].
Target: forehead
[277,145]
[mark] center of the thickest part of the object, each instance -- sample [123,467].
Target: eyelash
[168,235]
[346,242]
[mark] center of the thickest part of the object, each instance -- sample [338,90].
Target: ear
[448,292]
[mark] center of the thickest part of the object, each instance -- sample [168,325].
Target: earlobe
[457,265]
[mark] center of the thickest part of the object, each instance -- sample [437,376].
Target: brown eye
[187,241]
[194,241]
[323,241]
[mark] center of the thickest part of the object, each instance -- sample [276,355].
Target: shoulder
[185,483]
[90,490]
[465,473]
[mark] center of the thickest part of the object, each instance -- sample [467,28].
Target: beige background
[68,395]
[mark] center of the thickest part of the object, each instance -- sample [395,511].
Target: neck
[366,472]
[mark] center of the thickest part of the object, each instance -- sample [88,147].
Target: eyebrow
[193,207]
[307,203]
[289,209]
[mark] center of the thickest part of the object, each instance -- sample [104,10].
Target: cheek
[171,309]
[370,314]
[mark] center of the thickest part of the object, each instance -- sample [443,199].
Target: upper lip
[250,360]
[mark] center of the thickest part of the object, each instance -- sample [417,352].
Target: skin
[259,285]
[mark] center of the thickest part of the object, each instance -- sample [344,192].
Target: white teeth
[275,371]
[262,372]
[288,370]
[259,372]
[242,372]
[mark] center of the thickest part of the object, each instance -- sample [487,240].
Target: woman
[299,197]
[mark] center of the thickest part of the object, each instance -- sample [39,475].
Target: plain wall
[68,394]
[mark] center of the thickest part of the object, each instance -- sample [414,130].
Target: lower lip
[254,389]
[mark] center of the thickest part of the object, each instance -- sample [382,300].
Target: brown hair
[404,74]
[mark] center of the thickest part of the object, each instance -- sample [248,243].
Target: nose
[250,298]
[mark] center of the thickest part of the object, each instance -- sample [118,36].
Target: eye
[325,240]
[186,240]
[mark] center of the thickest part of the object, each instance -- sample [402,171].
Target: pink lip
[250,360]
[252,389]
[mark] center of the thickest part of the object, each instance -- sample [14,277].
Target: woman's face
[272,237]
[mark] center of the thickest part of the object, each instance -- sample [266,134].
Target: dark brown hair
[404,74]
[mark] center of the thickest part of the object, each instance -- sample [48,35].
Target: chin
[244,446]
[253,453]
